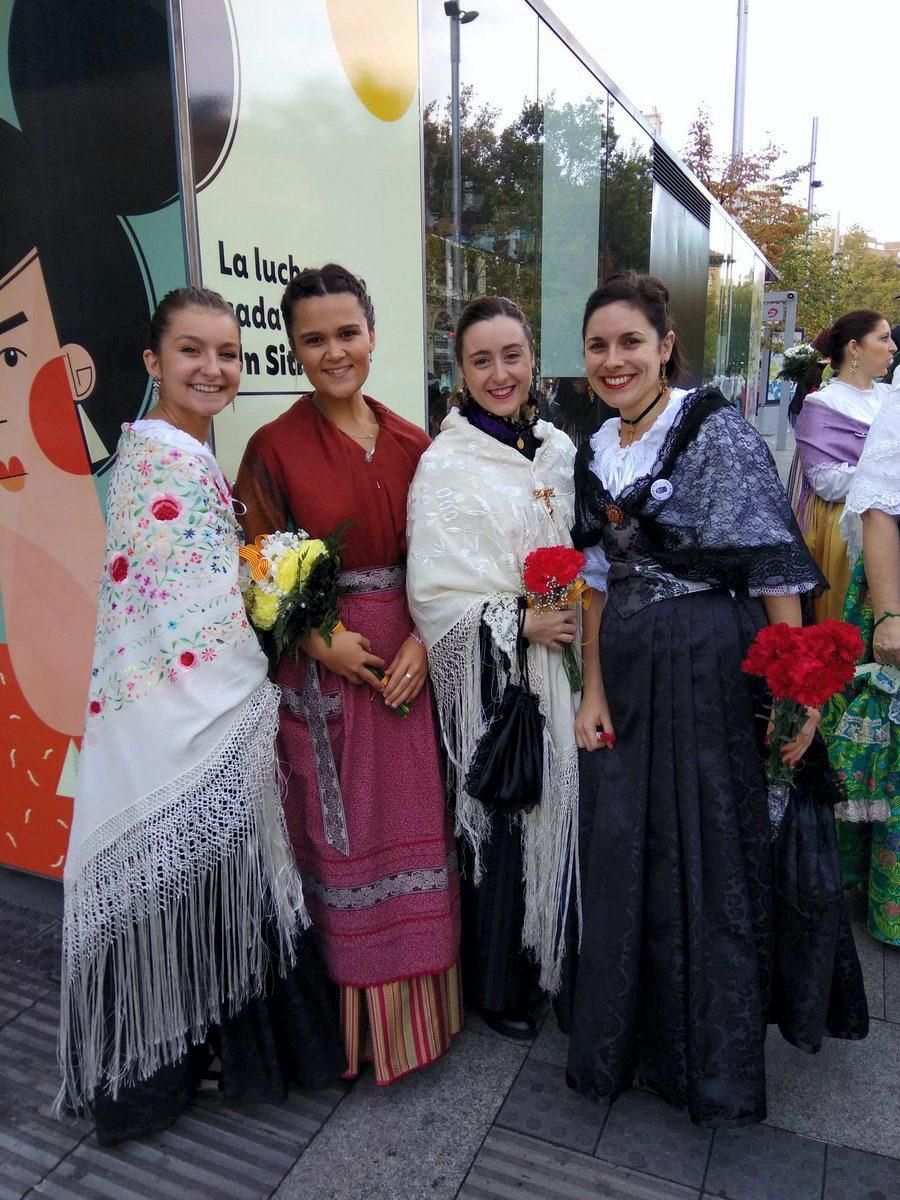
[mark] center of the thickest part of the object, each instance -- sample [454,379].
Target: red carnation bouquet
[550,578]
[803,668]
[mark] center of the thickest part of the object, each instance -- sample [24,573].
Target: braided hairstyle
[329,280]
[179,299]
[649,296]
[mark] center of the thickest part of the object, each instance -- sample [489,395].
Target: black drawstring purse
[507,769]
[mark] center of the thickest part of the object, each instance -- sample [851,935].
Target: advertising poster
[305,133]
[90,236]
[321,163]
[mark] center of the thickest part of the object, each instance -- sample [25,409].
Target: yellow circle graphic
[378,43]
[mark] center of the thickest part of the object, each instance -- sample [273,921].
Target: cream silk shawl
[178,853]
[473,517]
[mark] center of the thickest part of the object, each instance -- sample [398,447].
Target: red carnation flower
[187,659]
[835,642]
[770,645]
[118,568]
[165,507]
[551,567]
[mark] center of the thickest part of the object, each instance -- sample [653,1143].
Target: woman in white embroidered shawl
[184,919]
[496,484]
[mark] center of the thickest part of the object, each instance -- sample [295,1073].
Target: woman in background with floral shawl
[183,931]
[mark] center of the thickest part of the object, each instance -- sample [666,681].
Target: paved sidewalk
[494,1119]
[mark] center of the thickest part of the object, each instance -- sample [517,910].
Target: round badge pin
[661,489]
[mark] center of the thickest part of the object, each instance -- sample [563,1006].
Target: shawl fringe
[549,832]
[165,912]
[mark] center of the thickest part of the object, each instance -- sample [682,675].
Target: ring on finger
[408,675]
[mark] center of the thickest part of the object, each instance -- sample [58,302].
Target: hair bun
[656,290]
[824,342]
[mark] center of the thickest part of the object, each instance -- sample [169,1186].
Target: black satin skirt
[288,1035]
[497,974]
[679,960]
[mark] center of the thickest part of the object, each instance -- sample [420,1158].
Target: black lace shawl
[727,521]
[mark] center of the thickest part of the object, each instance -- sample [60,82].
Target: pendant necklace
[637,420]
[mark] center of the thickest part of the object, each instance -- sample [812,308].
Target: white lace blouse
[618,466]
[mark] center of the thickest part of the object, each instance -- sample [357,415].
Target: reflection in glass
[574,126]
[501,135]
[718,299]
[629,194]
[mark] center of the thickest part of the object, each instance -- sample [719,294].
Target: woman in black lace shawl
[698,926]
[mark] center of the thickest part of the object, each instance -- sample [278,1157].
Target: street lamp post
[813,182]
[740,79]
[457,17]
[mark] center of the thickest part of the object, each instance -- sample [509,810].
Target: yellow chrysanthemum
[312,552]
[265,610]
[285,573]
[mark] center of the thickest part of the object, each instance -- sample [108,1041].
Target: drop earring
[854,366]
[154,392]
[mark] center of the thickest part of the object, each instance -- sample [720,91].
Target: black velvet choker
[512,432]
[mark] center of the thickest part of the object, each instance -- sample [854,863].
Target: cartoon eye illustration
[12,354]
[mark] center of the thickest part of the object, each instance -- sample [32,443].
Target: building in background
[229,143]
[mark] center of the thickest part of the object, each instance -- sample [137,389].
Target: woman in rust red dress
[365,800]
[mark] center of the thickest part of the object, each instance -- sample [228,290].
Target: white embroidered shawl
[876,482]
[473,517]
[178,853]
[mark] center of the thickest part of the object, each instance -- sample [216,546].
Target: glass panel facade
[575,112]
[557,192]
[718,299]
[629,194]
[738,367]
[680,257]
[501,135]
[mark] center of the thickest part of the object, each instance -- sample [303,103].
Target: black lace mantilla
[725,521]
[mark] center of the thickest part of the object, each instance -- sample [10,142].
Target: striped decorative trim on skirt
[400,1026]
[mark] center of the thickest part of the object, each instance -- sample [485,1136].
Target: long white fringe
[164,915]
[549,832]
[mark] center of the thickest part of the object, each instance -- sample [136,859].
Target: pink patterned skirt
[365,807]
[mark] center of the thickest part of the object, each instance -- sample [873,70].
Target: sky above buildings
[805,58]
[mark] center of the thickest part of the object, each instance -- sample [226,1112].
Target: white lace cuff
[596,568]
[831,481]
[501,615]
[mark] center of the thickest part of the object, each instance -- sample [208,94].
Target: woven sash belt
[311,706]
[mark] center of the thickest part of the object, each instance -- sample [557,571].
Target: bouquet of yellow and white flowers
[289,582]
[290,589]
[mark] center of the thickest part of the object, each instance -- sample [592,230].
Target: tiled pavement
[492,1121]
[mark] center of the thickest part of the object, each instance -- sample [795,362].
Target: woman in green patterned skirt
[862,726]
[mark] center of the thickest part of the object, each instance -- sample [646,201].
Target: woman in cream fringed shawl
[496,484]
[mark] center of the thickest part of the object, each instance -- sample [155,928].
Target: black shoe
[515,1023]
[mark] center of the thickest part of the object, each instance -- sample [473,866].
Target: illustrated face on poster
[46,492]
[75,298]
